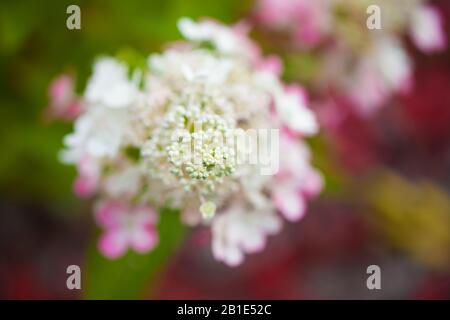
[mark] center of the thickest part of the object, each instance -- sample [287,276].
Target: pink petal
[290,202]
[84,186]
[61,89]
[277,12]
[72,109]
[271,64]
[108,214]
[308,34]
[144,239]
[113,244]
[231,255]
[87,181]
[64,103]
[299,91]
[313,183]
[144,215]
[255,241]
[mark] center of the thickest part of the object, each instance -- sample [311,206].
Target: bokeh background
[386,200]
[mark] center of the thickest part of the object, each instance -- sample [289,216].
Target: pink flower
[278,13]
[308,20]
[125,227]
[296,181]
[313,22]
[88,177]
[427,30]
[271,64]
[63,102]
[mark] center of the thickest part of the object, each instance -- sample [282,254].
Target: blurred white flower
[385,69]
[110,86]
[240,230]
[172,141]
[362,65]
[226,40]
[293,112]
[98,133]
[426,29]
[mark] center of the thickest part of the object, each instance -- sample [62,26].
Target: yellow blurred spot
[415,217]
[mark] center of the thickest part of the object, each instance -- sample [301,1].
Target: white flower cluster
[161,137]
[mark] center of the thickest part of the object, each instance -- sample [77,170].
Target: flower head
[188,138]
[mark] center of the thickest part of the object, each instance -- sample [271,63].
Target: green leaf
[132,276]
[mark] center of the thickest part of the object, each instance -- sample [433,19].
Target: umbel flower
[168,135]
